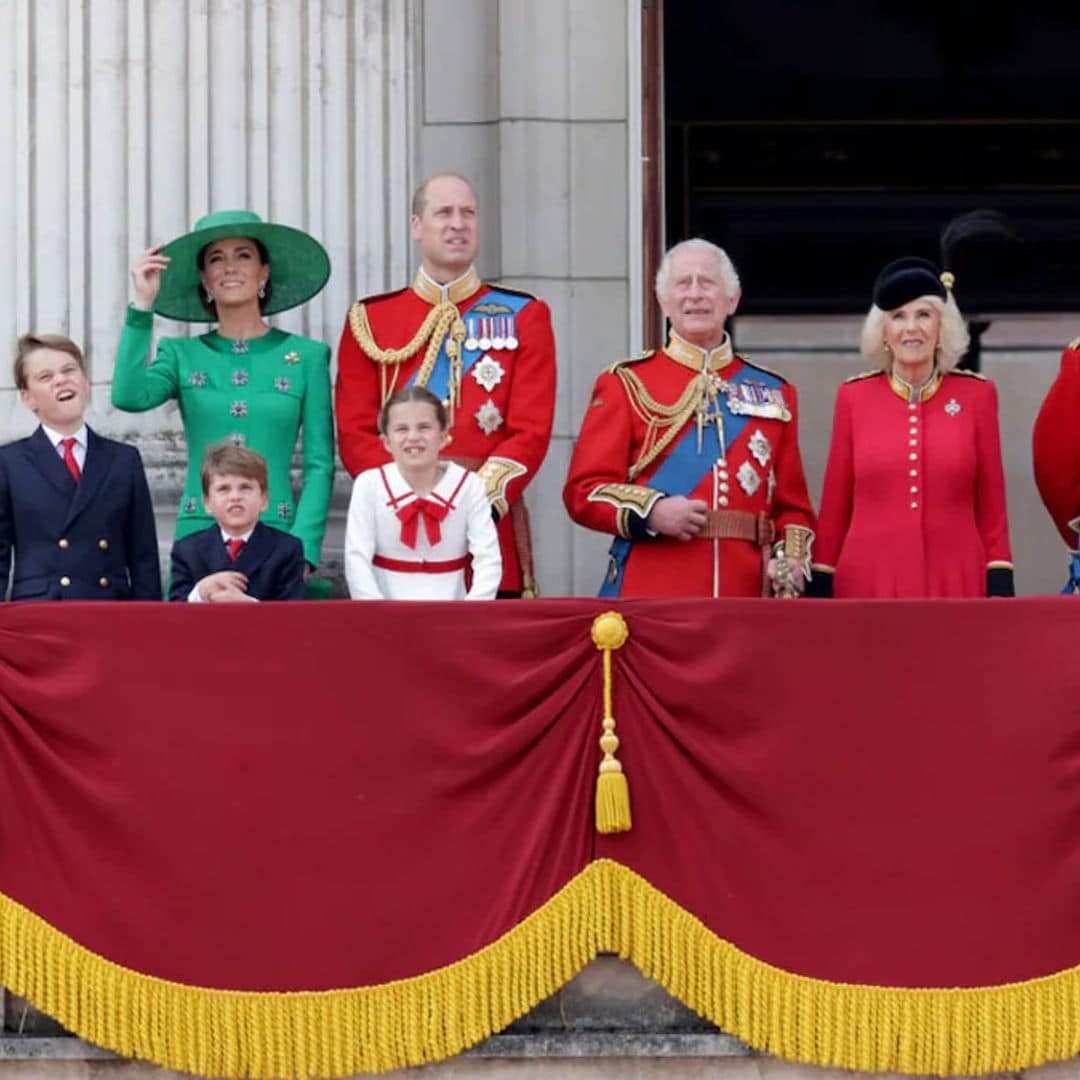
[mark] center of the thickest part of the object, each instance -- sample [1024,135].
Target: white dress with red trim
[400,546]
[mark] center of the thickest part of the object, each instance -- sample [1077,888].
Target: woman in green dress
[243,382]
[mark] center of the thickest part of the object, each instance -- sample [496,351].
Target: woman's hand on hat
[146,276]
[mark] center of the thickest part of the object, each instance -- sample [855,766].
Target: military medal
[485,339]
[488,372]
[748,478]
[498,341]
[760,447]
[488,417]
[470,342]
[511,339]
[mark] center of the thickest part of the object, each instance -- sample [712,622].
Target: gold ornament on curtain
[609,632]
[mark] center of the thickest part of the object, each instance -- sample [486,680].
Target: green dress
[259,397]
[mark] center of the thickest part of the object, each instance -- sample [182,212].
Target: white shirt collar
[55,437]
[226,537]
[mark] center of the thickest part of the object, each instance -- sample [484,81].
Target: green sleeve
[317,431]
[137,387]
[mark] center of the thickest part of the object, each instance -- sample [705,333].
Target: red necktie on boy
[234,544]
[69,458]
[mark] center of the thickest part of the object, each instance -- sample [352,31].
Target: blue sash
[685,466]
[501,303]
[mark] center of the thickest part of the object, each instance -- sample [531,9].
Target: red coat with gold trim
[524,399]
[914,498]
[761,472]
[1056,443]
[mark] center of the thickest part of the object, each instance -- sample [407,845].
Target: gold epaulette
[761,367]
[972,374]
[864,375]
[1074,344]
[513,292]
[612,368]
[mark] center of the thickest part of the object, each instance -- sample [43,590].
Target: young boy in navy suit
[75,511]
[239,559]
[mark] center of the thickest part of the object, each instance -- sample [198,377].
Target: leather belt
[759,529]
[408,566]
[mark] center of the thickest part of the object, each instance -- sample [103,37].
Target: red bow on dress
[430,512]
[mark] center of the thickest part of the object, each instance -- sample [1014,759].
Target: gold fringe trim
[605,908]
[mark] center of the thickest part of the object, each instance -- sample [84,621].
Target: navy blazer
[272,560]
[94,540]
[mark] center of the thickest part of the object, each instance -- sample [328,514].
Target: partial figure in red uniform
[914,498]
[690,455]
[486,351]
[1057,455]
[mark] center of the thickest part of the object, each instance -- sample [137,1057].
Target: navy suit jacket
[272,560]
[94,540]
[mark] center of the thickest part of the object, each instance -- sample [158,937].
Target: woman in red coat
[914,497]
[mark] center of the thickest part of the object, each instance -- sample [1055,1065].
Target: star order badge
[488,417]
[760,447]
[748,478]
[488,372]
[952,407]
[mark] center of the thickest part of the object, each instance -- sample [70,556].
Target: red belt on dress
[406,566]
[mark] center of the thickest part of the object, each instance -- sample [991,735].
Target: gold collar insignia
[693,356]
[908,392]
[427,288]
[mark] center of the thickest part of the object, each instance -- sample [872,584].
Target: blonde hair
[953,338]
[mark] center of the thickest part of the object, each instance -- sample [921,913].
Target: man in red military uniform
[486,350]
[690,456]
[1057,454]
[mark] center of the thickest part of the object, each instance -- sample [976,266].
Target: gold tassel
[609,632]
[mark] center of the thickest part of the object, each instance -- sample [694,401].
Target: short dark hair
[224,459]
[264,259]
[419,199]
[29,343]
[414,393]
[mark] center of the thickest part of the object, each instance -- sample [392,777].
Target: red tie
[69,458]
[431,513]
[234,545]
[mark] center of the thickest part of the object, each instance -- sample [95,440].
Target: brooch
[488,372]
[292,358]
[488,417]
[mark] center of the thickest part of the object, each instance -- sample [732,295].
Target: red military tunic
[1057,447]
[914,498]
[502,424]
[759,474]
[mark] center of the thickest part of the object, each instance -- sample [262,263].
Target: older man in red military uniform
[690,456]
[1057,455]
[486,350]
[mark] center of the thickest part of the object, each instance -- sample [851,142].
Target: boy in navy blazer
[239,559]
[75,511]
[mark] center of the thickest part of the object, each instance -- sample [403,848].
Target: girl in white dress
[415,523]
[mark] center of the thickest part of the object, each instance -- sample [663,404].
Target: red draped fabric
[340,795]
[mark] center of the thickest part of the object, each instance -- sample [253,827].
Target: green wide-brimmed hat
[299,264]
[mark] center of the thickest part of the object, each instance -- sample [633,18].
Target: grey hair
[953,338]
[728,274]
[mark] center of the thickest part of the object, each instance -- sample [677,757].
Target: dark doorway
[816,141]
